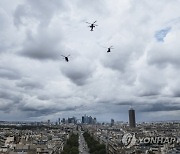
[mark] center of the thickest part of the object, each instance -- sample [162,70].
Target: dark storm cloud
[11,96]
[177,93]
[5,95]
[37,112]
[149,93]
[119,62]
[5,106]
[44,42]
[127,102]
[32,112]
[41,47]
[151,104]
[161,107]
[29,85]
[20,12]
[43,97]
[163,60]
[149,88]
[9,100]
[78,71]
[77,77]
[9,73]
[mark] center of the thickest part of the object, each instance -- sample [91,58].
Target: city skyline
[141,71]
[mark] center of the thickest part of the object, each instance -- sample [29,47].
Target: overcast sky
[142,70]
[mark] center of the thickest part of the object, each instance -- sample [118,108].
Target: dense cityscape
[72,136]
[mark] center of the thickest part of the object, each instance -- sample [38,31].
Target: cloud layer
[142,70]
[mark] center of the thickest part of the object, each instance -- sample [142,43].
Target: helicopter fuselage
[66,58]
[92,26]
[109,50]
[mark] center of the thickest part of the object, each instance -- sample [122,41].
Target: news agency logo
[130,140]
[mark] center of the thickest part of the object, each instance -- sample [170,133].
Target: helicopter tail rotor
[111,47]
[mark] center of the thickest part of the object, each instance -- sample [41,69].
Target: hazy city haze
[141,71]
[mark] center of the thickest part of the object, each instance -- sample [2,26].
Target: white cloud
[140,70]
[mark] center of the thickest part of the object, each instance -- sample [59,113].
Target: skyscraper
[59,121]
[83,120]
[88,120]
[132,121]
[63,120]
[112,122]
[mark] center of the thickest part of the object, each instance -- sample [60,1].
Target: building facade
[132,121]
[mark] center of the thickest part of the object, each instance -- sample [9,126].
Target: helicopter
[109,49]
[66,58]
[92,25]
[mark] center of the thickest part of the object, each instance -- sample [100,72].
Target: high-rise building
[132,121]
[94,120]
[72,120]
[63,120]
[88,120]
[112,122]
[49,122]
[83,119]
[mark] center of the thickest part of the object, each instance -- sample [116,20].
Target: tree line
[94,146]
[72,145]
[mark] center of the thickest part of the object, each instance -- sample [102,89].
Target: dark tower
[83,120]
[112,122]
[132,121]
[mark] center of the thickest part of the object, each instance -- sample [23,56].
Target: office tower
[94,121]
[112,122]
[132,121]
[72,120]
[88,120]
[59,121]
[49,122]
[83,120]
[63,120]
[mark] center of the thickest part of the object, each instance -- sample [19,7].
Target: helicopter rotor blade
[62,55]
[94,21]
[68,55]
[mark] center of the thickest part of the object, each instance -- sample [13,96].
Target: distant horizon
[53,121]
